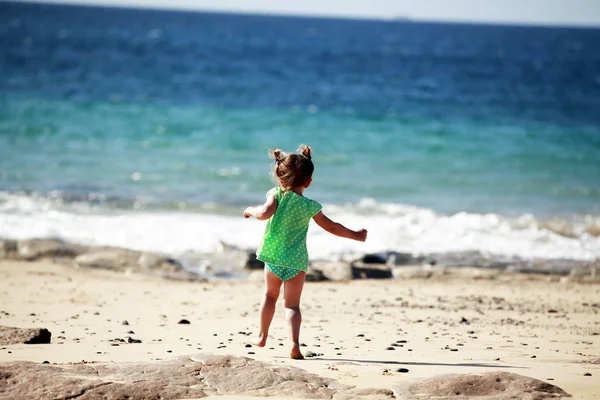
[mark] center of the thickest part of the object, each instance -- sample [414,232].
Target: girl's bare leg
[267,307]
[292,290]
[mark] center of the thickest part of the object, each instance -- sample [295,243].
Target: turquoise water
[437,136]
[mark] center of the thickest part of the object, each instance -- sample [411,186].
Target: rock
[391,258]
[491,385]
[36,249]
[370,271]
[9,335]
[251,262]
[8,248]
[413,272]
[315,275]
[593,230]
[109,258]
[560,227]
[334,270]
[181,378]
[184,322]
[154,262]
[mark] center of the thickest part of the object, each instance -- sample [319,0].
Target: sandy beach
[361,332]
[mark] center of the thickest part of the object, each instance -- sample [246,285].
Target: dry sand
[536,326]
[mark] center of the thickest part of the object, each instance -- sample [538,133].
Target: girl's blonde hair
[293,169]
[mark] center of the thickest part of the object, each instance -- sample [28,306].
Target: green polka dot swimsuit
[284,242]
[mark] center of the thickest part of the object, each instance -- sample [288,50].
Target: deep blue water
[162,109]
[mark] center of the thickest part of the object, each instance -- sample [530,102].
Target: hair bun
[276,155]
[305,150]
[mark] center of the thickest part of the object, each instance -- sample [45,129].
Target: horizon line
[399,18]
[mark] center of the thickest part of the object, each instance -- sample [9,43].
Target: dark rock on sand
[361,270]
[252,262]
[184,322]
[391,258]
[9,335]
[315,275]
[188,377]
[491,385]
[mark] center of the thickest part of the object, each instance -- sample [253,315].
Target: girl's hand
[360,235]
[247,213]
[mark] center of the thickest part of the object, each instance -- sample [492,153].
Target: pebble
[403,370]
[186,322]
[125,323]
[587,374]
[248,345]
[46,362]
[390,348]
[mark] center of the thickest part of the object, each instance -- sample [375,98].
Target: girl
[283,247]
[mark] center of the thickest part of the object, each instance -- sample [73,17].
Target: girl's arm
[339,229]
[262,212]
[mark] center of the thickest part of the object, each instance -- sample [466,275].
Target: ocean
[149,129]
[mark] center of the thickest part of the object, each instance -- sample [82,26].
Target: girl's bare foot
[260,341]
[295,353]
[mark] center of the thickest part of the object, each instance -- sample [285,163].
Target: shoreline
[437,325]
[231,263]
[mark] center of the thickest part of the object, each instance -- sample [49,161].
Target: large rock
[158,262]
[10,335]
[8,248]
[488,386]
[182,378]
[333,270]
[110,258]
[35,249]
[361,270]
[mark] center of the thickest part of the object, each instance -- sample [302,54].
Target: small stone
[250,352]
[125,323]
[311,354]
[533,357]
[403,370]
[453,349]
[390,348]
[360,335]
[587,374]
[46,362]
[248,345]
[169,351]
[186,322]
[131,332]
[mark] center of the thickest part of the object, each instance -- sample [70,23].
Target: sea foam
[395,227]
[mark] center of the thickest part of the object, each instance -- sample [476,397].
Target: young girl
[283,248]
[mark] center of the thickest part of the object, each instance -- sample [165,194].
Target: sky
[544,12]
